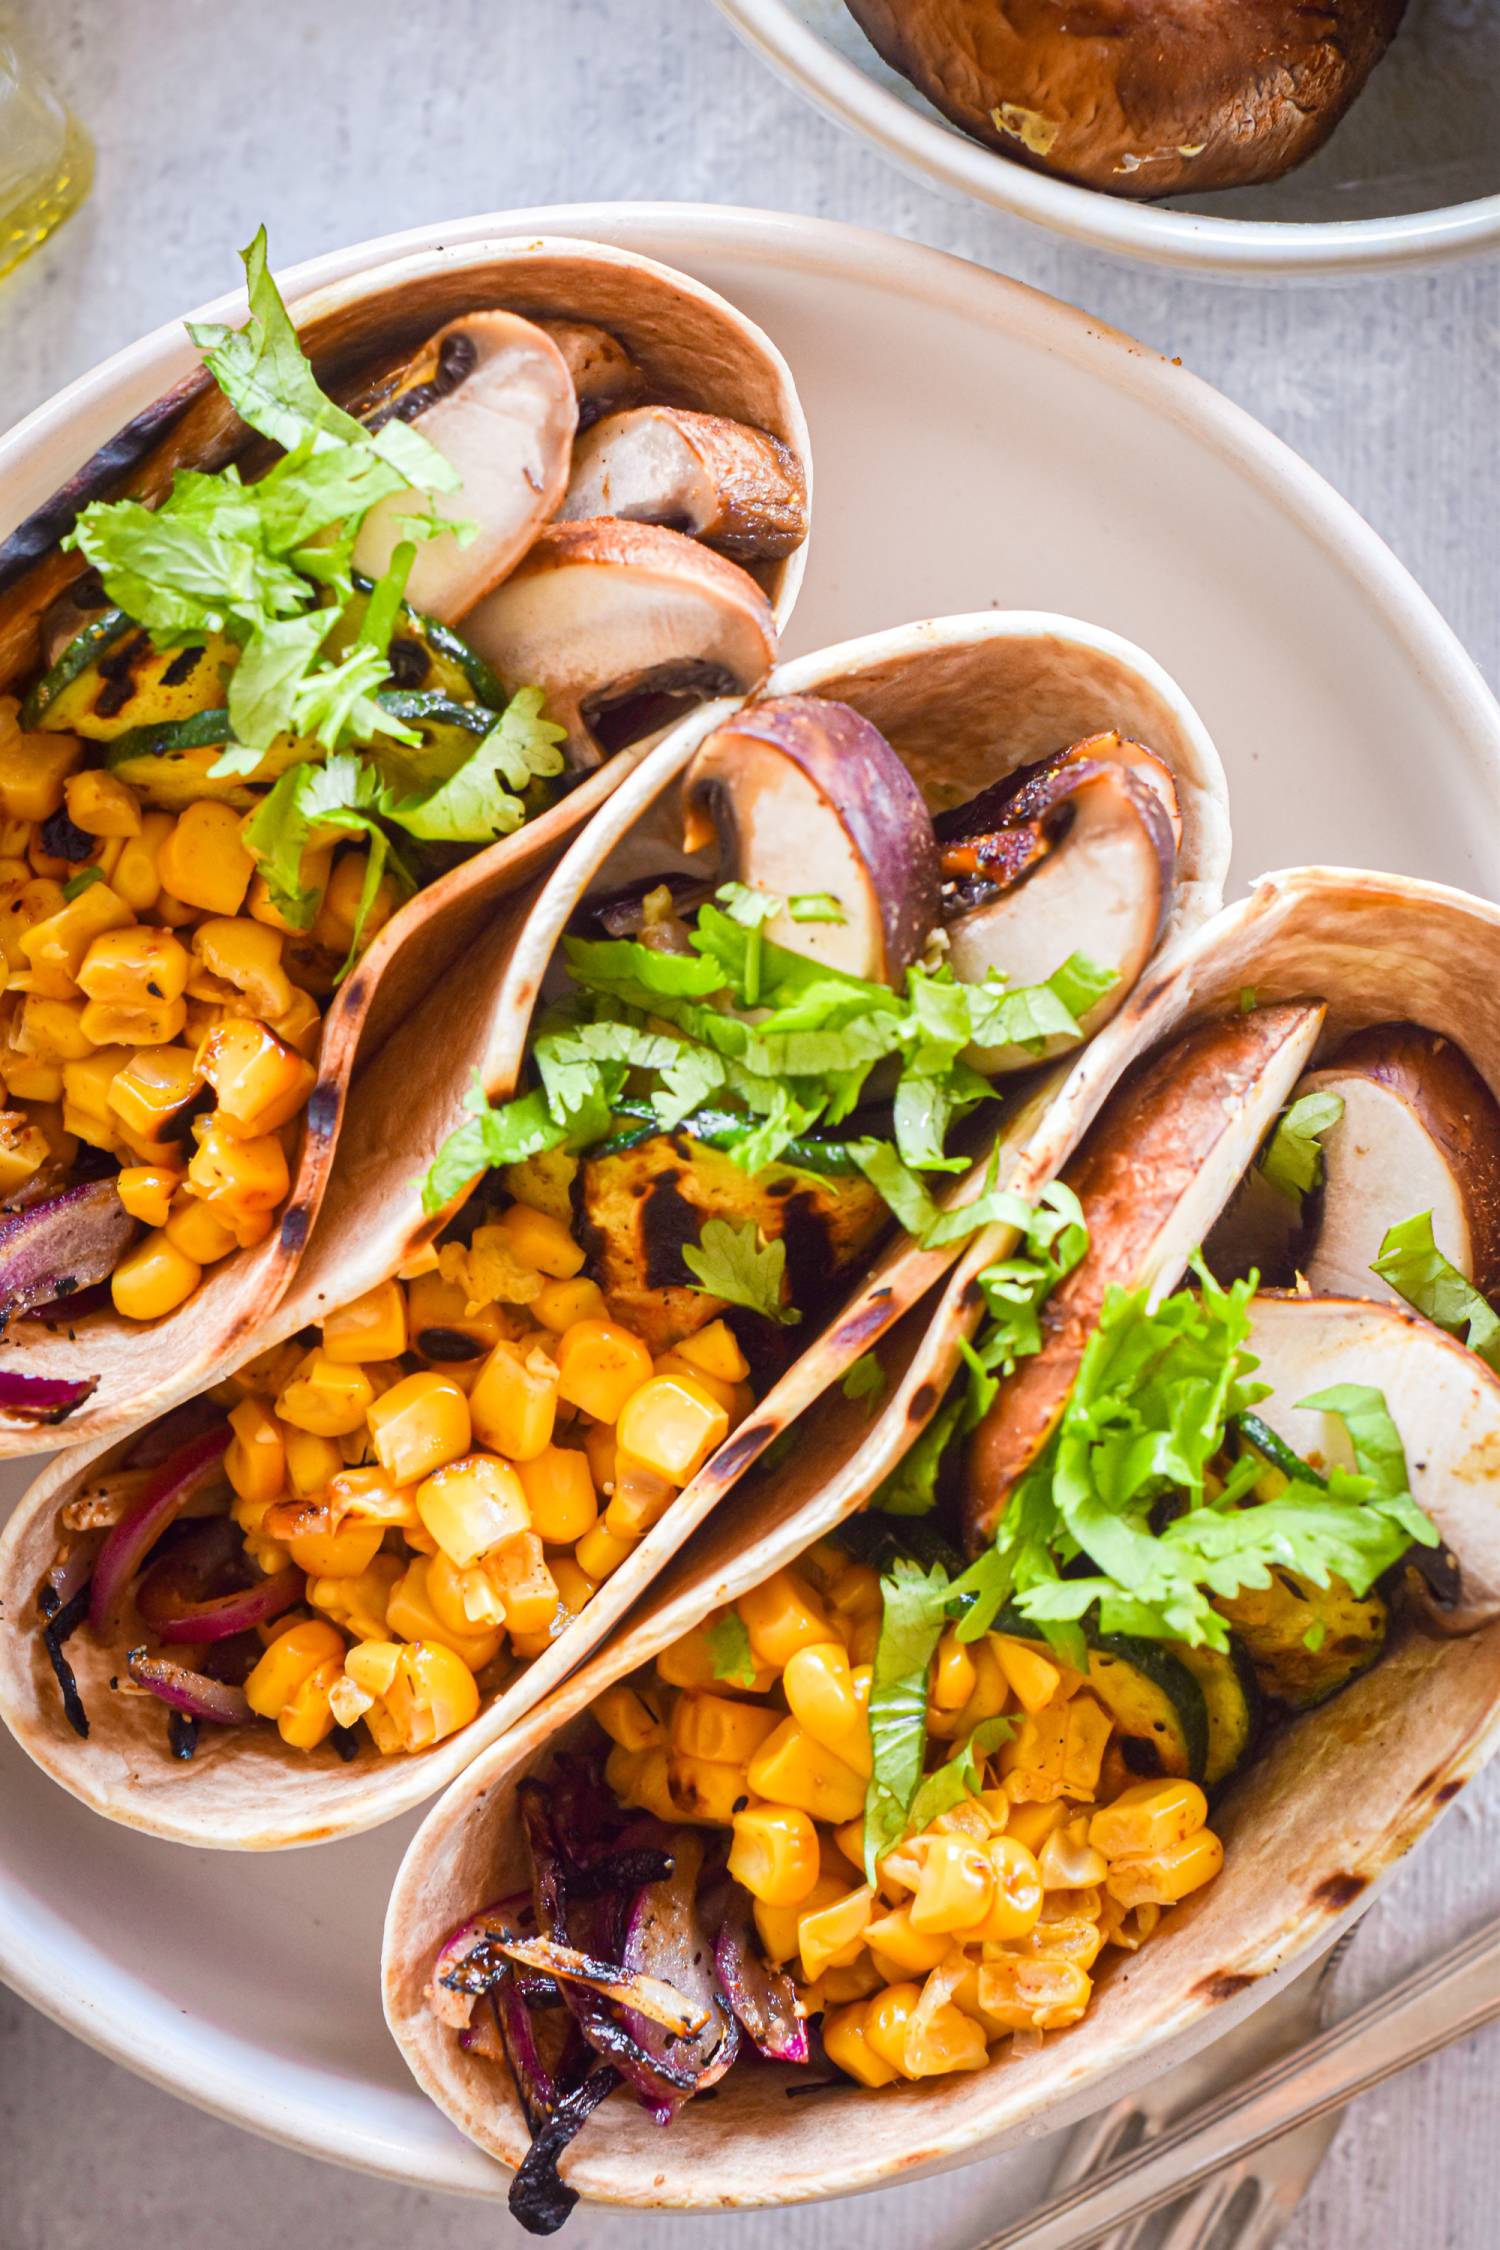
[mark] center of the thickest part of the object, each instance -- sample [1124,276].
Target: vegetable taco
[1048,1738]
[321,656]
[731,1133]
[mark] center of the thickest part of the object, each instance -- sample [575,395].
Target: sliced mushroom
[1102,888]
[1012,801]
[1151,1177]
[805,796]
[735,488]
[1442,1398]
[1260,1230]
[621,625]
[492,392]
[604,374]
[1420,1131]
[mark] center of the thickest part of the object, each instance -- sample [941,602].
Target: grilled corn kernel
[1147,1818]
[955,1887]
[247,1175]
[1167,1875]
[671,1424]
[23,1151]
[291,1658]
[358,1604]
[640,1498]
[1016,1901]
[781,1615]
[833,1936]
[440,1323]
[204,861]
[601,1551]
[848,2050]
[526,1584]
[255,1460]
[719,1729]
[432,1695]
[54,949]
[372,1496]
[1068,1861]
[777,1925]
[338,916]
[1033,1678]
[560,1494]
[599,1366]
[715,1351]
[325,1398]
[372,1327]
[150,1026]
[52,1031]
[1023,1992]
[134,967]
[374,1665]
[630,1719]
[575,1588]
[242,960]
[306,1718]
[541,1242]
[23,907]
[153,1278]
[706,1791]
[774,1854]
[559,1304]
[194,1229]
[886,2023]
[136,877]
[725,1394]
[101,805]
[467,1600]
[793,1769]
[33,767]
[821,1696]
[345,1553]
[409,1613]
[153,1090]
[514,1401]
[310,1459]
[471,1505]
[262,1084]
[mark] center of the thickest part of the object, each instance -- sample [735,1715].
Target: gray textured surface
[353,117]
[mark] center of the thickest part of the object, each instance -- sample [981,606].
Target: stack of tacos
[321,657]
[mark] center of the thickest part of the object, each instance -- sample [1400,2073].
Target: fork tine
[1196,2219]
[1099,2141]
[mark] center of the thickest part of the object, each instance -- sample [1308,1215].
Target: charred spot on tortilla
[741,1448]
[1336,1892]
[294,1228]
[1225,1984]
[923,1400]
[323,1108]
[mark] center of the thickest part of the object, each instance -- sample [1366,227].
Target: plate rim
[1194,242]
[172,2056]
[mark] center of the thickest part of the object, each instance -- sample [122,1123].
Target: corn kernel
[640,1498]
[629,1718]
[777,1925]
[541,1242]
[134,967]
[306,1718]
[310,1459]
[1033,1678]
[1068,1861]
[671,1424]
[153,1279]
[33,767]
[325,1398]
[241,965]
[291,1658]
[793,1769]
[848,2050]
[514,1401]
[374,1665]
[600,1365]
[194,1229]
[432,1695]
[261,1083]
[718,1729]
[345,1553]
[559,1304]
[601,1551]
[774,1854]
[255,1460]
[250,1175]
[419,1425]
[100,804]
[575,1588]
[204,861]
[1147,1818]
[821,1696]
[338,915]
[526,1583]
[52,1031]
[472,1505]
[887,2020]
[440,1323]
[955,1887]
[781,1615]
[23,1151]
[1167,1875]
[313,871]
[372,1327]
[409,1613]
[135,877]
[832,1936]
[358,1604]
[467,1600]
[560,1494]
[1025,1993]
[54,949]
[714,1350]
[371,1495]
[153,1090]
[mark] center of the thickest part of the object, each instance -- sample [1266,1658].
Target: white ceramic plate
[975,443]
[1411,176]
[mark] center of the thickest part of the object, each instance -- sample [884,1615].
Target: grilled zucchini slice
[638,1204]
[1275,1622]
[110,681]
[1231,1702]
[169,766]
[425,657]
[1155,1702]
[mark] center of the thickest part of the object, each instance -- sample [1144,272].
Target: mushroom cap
[804,795]
[604,375]
[737,488]
[501,411]
[1139,97]
[601,614]
[1158,1165]
[1420,1131]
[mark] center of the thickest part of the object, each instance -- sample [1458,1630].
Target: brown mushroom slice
[1139,97]
[733,487]
[1442,1398]
[1016,798]
[1104,890]
[805,796]
[1420,1131]
[620,624]
[604,375]
[492,392]
[1151,1177]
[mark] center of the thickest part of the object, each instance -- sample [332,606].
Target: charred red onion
[43,1399]
[168,1493]
[227,1614]
[764,1999]
[192,1693]
[66,1244]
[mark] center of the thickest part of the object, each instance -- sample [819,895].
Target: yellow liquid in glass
[46,160]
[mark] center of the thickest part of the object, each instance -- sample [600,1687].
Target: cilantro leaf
[489,1138]
[814,906]
[913,1620]
[959,1776]
[263,686]
[1417,1270]
[476,805]
[343,794]
[1292,1160]
[734,1263]
[729,1650]
[866,1379]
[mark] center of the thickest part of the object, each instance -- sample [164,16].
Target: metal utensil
[1453,1996]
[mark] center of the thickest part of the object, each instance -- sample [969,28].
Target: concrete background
[352,117]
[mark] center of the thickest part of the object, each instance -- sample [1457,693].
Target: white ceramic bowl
[1411,177]
[1068,469]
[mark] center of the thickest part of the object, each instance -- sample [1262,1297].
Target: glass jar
[46,158]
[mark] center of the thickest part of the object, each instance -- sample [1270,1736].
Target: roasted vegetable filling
[373,1525]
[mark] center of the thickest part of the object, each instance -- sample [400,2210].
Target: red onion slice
[451,2004]
[666,1943]
[163,1500]
[43,1398]
[191,1692]
[227,1614]
[649,1996]
[63,1245]
[764,1999]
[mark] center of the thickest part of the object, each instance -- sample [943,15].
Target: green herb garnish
[1417,1270]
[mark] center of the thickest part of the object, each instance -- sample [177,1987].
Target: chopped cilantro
[915,1613]
[866,1380]
[476,805]
[734,1263]
[1417,1270]
[729,1650]
[1292,1160]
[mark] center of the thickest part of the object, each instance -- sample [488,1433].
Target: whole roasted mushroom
[1140,98]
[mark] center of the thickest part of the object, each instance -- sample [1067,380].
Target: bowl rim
[197,2060]
[923,143]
